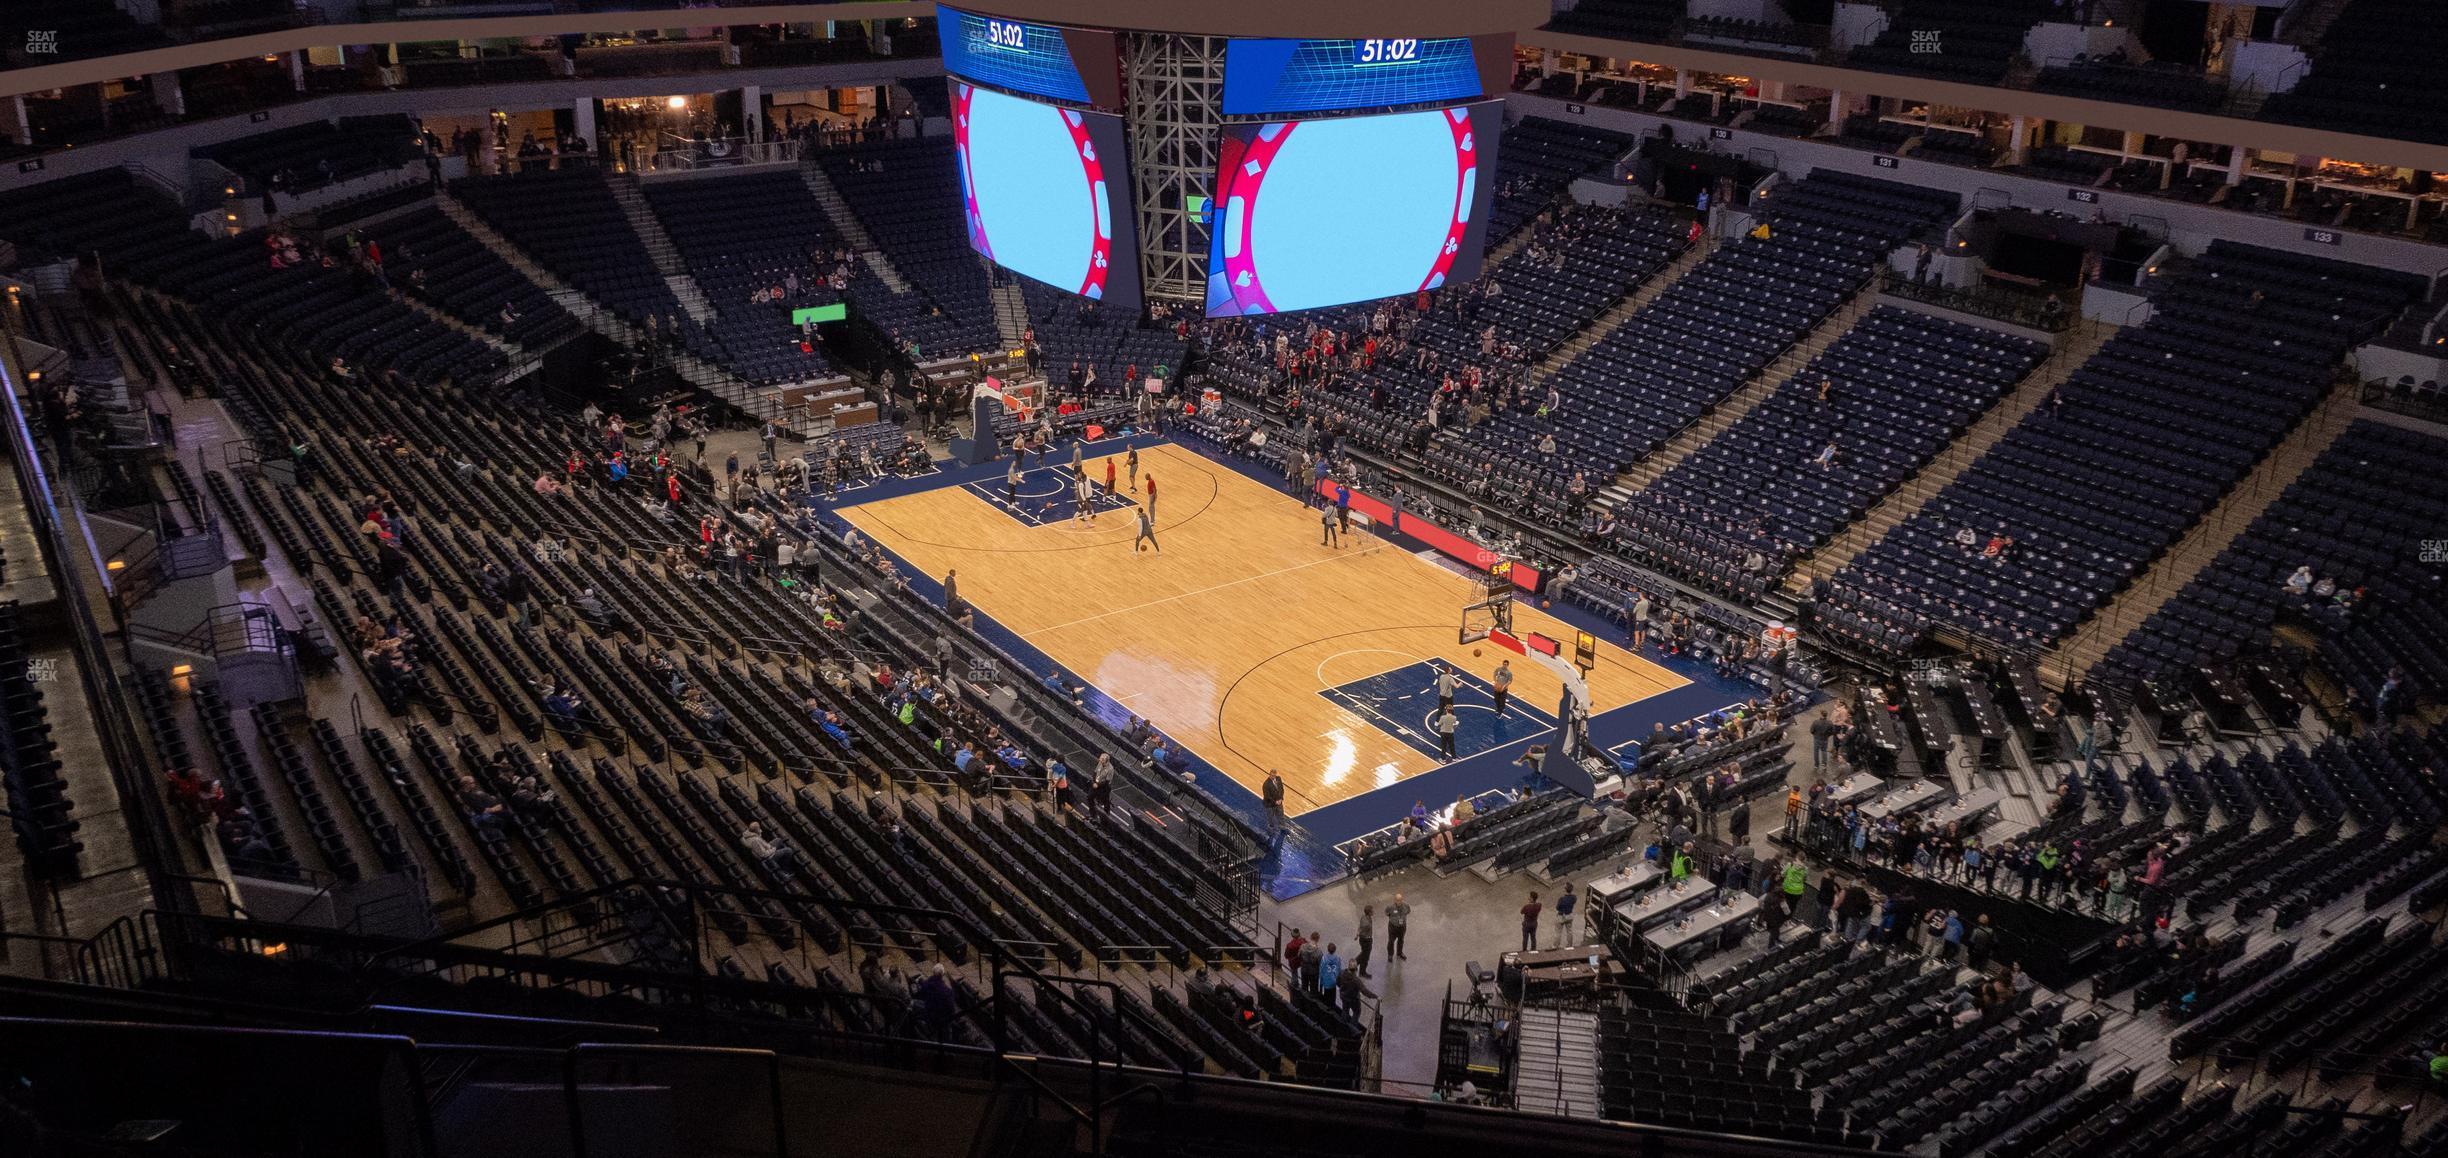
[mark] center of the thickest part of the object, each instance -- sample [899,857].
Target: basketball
[1474,653]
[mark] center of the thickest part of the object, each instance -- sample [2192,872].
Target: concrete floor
[1454,921]
[110,882]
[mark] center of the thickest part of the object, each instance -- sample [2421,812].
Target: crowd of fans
[1379,355]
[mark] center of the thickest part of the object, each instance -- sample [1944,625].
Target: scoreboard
[1077,66]
[1272,77]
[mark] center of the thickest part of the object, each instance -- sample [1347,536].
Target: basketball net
[1018,398]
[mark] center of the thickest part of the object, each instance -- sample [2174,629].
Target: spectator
[775,856]
[484,809]
[936,1003]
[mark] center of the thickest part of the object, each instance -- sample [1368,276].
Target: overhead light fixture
[678,102]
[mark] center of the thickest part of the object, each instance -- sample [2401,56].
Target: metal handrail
[1986,303]
[380,963]
[107,701]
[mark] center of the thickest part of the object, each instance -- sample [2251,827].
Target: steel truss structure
[1173,88]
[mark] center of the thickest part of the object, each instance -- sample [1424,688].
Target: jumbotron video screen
[1329,210]
[1046,192]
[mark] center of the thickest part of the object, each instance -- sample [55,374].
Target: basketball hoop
[1018,399]
[1491,616]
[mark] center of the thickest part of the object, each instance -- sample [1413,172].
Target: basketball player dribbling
[1147,532]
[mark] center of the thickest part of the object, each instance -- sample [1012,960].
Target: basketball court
[1244,640]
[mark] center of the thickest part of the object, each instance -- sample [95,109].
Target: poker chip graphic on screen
[1034,189]
[1321,212]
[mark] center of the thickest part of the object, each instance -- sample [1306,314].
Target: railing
[177,189]
[215,173]
[761,1081]
[2014,309]
[2084,66]
[1810,40]
[126,954]
[2120,616]
[124,755]
[2436,328]
[238,453]
[2382,394]
[723,153]
[211,635]
[466,950]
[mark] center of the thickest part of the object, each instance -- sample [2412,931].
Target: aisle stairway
[2073,350]
[696,371]
[1725,414]
[2169,573]
[1557,1071]
[846,224]
[1609,321]
[659,246]
[1011,311]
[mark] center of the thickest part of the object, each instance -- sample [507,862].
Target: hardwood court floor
[1227,640]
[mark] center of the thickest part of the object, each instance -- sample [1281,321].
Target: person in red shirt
[671,487]
[1109,475]
[1530,915]
[1150,480]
